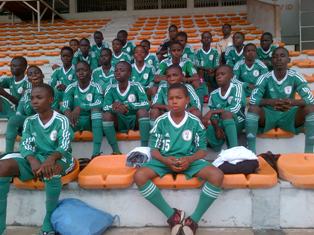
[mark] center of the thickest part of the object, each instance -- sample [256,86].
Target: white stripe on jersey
[165,115]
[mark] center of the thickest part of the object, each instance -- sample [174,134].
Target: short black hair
[116,39]
[241,34]
[75,40]
[226,66]
[206,32]
[122,31]
[146,41]
[267,34]
[106,49]
[172,26]
[174,43]
[22,59]
[36,67]
[138,46]
[283,48]
[83,62]
[174,66]
[182,34]
[228,25]
[98,32]
[126,63]
[249,44]
[179,86]
[48,88]
[84,39]
[67,48]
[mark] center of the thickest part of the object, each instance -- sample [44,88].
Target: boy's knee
[107,117]
[215,176]
[140,178]
[154,114]
[254,109]
[226,115]
[142,113]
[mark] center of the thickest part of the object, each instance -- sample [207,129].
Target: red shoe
[175,222]
[189,227]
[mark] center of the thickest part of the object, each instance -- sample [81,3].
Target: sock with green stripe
[208,195]
[153,194]
[4,190]
[231,132]
[309,133]
[251,127]
[144,126]
[14,123]
[110,133]
[97,131]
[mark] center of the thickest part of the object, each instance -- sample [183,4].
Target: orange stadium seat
[88,136]
[107,171]
[294,53]
[37,184]
[309,77]
[178,181]
[297,168]
[276,133]
[308,52]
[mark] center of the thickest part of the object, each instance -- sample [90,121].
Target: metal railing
[101,5]
[145,4]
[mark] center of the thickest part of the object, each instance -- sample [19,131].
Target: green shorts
[26,170]
[161,169]
[7,108]
[283,120]
[84,124]
[126,122]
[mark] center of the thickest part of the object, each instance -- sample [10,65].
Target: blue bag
[73,217]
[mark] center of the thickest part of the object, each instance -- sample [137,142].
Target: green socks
[97,132]
[110,133]
[152,194]
[251,128]
[14,124]
[53,189]
[230,130]
[4,190]
[144,126]
[309,133]
[208,195]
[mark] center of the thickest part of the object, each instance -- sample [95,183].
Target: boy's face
[266,41]
[250,53]
[83,72]
[105,57]
[116,46]
[172,33]
[98,38]
[66,57]
[122,72]
[41,100]
[74,45]
[174,75]
[84,47]
[226,30]
[122,37]
[176,51]
[223,76]
[182,40]
[17,67]
[139,54]
[146,46]
[280,59]
[237,39]
[206,39]
[35,76]
[177,100]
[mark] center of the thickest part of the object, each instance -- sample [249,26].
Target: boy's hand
[184,163]
[75,115]
[251,86]
[119,108]
[61,87]
[220,134]
[48,168]
[35,164]
[172,163]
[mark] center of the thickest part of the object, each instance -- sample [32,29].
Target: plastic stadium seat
[37,184]
[309,52]
[178,181]
[249,38]
[107,171]
[52,53]
[297,168]
[309,78]
[276,133]
[307,63]
[234,181]
[294,53]
[88,136]
[194,40]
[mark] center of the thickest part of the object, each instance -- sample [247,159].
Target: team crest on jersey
[211,57]
[187,135]
[20,90]
[53,135]
[288,90]
[128,49]
[145,76]
[70,77]
[255,73]
[131,98]
[89,97]
[150,62]
[230,99]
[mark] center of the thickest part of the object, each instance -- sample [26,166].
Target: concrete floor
[165,231]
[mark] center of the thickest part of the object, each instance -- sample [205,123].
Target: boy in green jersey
[16,84]
[125,107]
[117,53]
[273,103]
[99,44]
[85,54]
[82,105]
[188,51]
[264,52]
[234,53]
[104,75]
[74,44]
[225,118]
[127,46]
[150,58]
[45,154]
[178,145]
[249,69]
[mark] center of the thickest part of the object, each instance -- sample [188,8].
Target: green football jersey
[233,101]
[97,49]
[268,87]
[134,97]
[266,55]
[60,76]
[188,53]
[178,140]
[186,65]
[90,59]
[145,76]
[152,60]
[208,60]
[128,48]
[45,139]
[161,96]
[122,57]
[87,99]
[102,79]
[232,56]
[16,88]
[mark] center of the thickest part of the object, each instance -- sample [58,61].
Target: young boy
[178,145]
[104,75]
[141,72]
[74,44]
[164,48]
[118,55]
[127,46]
[45,154]
[234,53]
[85,54]
[207,60]
[225,118]
[272,103]
[24,108]
[99,43]
[65,75]
[125,105]
[226,40]
[82,104]
[188,51]
[160,103]
[248,70]
[150,58]
[264,52]
[16,84]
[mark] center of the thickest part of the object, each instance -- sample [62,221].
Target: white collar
[181,123]
[83,90]
[240,53]
[45,126]
[126,90]
[227,93]
[276,80]
[210,49]
[136,68]
[25,78]
[65,72]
